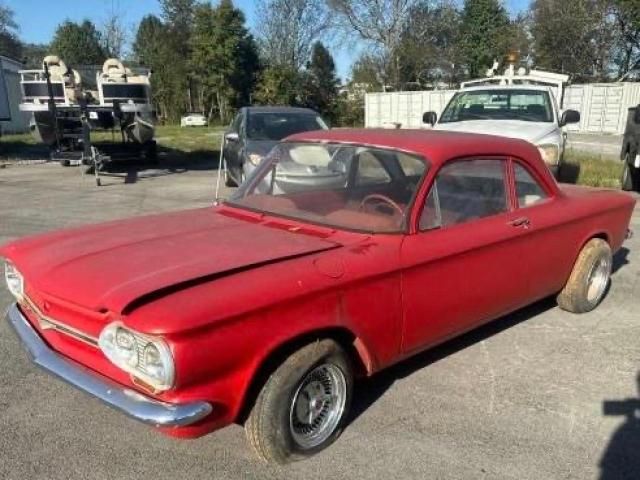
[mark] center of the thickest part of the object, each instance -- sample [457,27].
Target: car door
[548,248]
[462,267]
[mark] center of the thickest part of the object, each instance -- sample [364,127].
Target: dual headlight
[146,358]
[550,153]
[14,279]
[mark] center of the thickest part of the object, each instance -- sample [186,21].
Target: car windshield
[276,126]
[495,104]
[338,185]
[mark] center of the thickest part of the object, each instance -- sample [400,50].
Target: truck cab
[512,105]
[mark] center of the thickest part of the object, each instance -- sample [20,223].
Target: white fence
[602,106]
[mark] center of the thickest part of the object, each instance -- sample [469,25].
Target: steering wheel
[381,199]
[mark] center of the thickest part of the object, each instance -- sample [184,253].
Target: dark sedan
[256,130]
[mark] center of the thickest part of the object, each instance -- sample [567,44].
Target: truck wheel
[303,405]
[629,177]
[589,278]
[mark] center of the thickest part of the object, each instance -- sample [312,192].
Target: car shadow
[620,259]
[372,388]
[620,460]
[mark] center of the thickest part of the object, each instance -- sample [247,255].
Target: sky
[38,19]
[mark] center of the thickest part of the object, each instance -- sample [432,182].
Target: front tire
[303,406]
[589,278]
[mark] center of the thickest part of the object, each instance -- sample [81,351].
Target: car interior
[376,188]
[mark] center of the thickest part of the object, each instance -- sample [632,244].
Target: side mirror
[636,116]
[430,118]
[569,116]
[232,137]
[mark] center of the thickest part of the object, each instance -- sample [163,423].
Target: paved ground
[520,399]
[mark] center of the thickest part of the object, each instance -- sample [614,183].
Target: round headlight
[15,282]
[122,346]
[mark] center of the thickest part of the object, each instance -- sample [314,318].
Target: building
[10,77]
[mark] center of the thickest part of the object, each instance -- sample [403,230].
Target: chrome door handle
[520,222]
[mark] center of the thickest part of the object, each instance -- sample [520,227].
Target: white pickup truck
[517,105]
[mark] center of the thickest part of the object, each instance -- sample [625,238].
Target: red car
[343,253]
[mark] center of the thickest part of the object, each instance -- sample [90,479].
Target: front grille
[48,323]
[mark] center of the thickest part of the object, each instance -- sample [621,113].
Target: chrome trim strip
[47,322]
[130,402]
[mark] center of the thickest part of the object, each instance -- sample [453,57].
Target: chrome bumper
[132,403]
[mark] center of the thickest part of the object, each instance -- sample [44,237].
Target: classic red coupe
[343,253]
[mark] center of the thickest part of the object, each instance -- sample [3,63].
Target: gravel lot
[519,399]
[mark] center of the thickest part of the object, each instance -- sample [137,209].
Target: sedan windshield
[494,104]
[276,126]
[338,185]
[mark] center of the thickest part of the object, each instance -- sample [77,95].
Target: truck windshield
[495,104]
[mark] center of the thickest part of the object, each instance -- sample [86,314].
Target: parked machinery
[114,96]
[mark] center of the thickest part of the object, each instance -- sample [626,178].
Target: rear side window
[528,190]
[370,170]
[465,190]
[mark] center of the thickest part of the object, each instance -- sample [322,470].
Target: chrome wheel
[317,406]
[598,280]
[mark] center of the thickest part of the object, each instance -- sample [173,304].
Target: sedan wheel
[318,405]
[303,405]
[589,278]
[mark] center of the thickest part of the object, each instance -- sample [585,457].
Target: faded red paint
[228,287]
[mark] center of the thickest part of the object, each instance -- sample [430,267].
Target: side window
[465,190]
[370,170]
[528,190]
[411,166]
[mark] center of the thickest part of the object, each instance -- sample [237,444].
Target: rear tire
[228,181]
[589,278]
[629,179]
[303,406]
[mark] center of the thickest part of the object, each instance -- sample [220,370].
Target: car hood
[109,266]
[531,131]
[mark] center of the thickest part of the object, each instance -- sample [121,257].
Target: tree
[178,19]
[10,45]
[33,54]
[151,50]
[224,58]
[378,22]
[484,35]
[626,51]
[287,30]
[323,83]
[78,44]
[281,86]
[427,51]
[114,36]
[573,37]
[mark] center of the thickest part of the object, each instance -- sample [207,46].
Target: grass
[203,145]
[592,170]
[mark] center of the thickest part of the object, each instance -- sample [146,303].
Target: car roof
[280,109]
[437,146]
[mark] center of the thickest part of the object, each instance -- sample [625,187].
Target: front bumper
[130,402]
